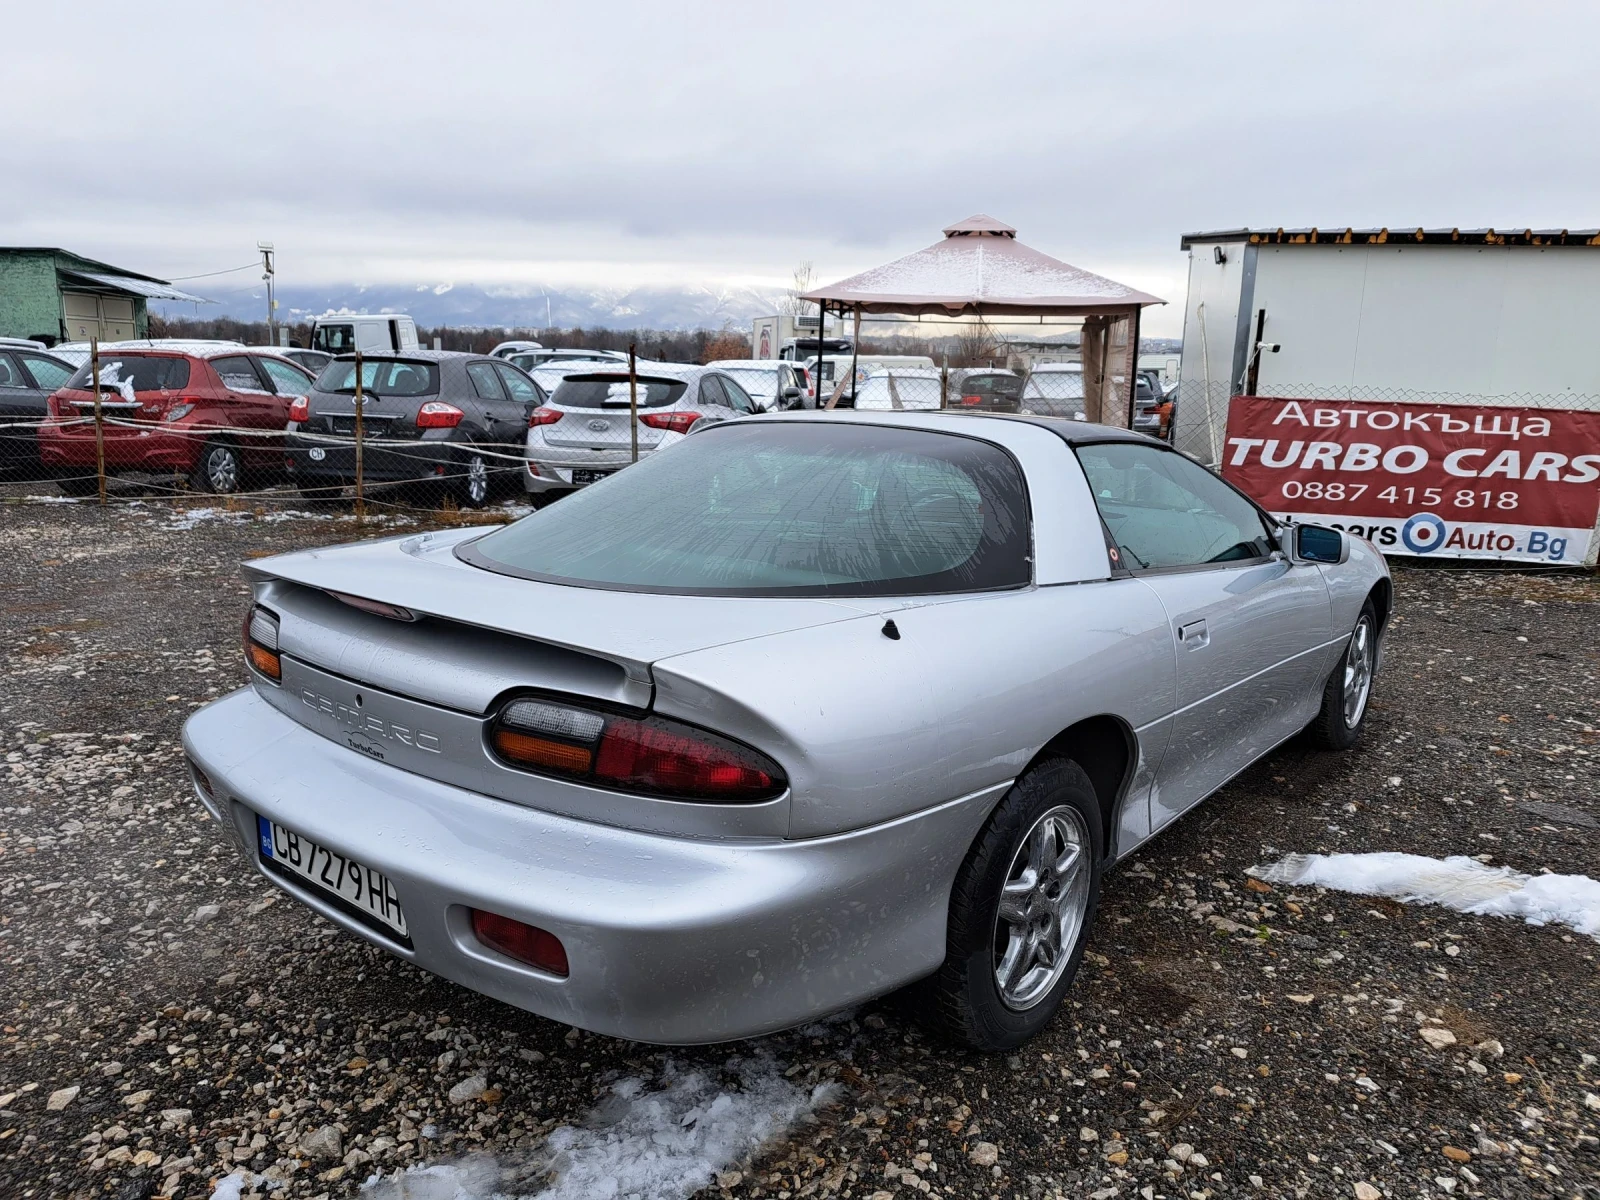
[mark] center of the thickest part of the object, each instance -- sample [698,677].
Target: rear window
[334,339]
[1009,386]
[385,376]
[769,510]
[1055,385]
[147,372]
[608,391]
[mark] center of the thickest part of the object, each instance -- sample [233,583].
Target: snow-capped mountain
[463,305]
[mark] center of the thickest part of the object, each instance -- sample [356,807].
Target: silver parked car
[584,431]
[816,707]
[774,385]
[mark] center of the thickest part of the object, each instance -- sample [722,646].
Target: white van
[370,333]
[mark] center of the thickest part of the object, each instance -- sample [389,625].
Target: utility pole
[269,273]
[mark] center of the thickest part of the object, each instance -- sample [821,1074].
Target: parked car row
[470,426]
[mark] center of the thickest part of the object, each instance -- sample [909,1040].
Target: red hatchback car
[204,411]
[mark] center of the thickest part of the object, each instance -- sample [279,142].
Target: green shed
[57,296]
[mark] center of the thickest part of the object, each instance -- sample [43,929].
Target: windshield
[385,376]
[785,510]
[147,373]
[608,391]
[756,381]
[1055,385]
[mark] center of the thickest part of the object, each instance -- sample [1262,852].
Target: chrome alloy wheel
[1042,907]
[222,469]
[1358,673]
[477,480]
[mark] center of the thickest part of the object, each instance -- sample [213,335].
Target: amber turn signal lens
[264,660]
[539,752]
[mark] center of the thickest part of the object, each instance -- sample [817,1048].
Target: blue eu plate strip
[264,829]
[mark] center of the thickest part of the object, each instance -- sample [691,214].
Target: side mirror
[791,393]
[1319,544]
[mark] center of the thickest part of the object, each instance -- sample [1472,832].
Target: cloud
[641,143]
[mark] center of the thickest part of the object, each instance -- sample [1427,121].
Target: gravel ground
[169,1021]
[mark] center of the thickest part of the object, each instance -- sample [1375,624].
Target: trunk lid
[488,632]
[334,414]
[597,408]
[598,429]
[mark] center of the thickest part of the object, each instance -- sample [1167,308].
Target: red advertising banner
[1456,481]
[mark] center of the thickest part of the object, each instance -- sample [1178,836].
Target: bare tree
[976,345]
[804,279]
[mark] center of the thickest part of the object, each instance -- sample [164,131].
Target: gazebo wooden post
[855,353]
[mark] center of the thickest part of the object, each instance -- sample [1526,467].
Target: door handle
[1194,634]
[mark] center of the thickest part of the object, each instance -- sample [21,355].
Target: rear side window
[10,375]
[611,391]
[238,373]
[519,387]
[47,372]
[1165,511]
[147,373]
[386,376]
[759,509]
[711,392]
[485,382]
[286,379]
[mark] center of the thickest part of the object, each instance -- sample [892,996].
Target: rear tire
[1006,969]
[1349,689]
[474,484]
[218,470]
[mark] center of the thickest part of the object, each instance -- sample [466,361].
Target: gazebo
[980,270]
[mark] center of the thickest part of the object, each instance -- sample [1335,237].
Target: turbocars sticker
[1448,481]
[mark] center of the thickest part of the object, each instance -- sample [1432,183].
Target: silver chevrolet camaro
[811,708]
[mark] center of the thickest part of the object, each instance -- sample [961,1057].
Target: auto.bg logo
[1426,532]
[1423,533]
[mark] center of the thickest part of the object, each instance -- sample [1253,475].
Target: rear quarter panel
[869,728]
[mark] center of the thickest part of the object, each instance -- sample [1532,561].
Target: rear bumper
[153,448]
[671,940]
[420,460]
[549,468]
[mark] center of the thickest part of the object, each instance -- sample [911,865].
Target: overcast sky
[620,143]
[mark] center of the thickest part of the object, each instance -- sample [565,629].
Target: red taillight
[525,943]
[652,755]
[544,416]
[972,400]
[300,409]
[672,422]
[436,414]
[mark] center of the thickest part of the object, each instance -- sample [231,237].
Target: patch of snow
[1458,882]
[664,1140]
[229,1186]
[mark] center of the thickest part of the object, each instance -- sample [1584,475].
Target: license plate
[586,475]
[360,889]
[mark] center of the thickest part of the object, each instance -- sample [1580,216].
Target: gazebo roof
[980,267]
